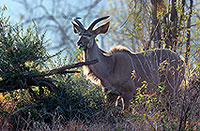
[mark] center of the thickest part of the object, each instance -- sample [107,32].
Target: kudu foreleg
[111,96]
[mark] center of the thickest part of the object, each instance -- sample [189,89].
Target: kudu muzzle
[82,43]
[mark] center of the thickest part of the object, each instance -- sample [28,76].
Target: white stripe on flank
[168,68]
[150,69]
[142,67]
[156,58]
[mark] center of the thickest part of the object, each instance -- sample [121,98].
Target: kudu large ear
[77,28]
[102,28]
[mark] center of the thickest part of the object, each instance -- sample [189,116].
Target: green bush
[22,54]
[29,95]
[18,47]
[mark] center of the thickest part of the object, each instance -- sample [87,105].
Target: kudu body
[123,71]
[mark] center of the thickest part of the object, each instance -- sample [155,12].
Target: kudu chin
[122,71]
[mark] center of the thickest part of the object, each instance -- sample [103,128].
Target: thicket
[27,95]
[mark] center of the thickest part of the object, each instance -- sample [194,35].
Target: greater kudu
[123,71]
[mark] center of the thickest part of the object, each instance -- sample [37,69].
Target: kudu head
[87,36]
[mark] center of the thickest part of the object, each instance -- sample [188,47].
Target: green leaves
[19,46]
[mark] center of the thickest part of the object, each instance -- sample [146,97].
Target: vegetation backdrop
[33,99]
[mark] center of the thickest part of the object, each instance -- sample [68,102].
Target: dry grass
[108,122]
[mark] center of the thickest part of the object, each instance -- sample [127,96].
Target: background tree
[140,25]
[147,24]
[55,17]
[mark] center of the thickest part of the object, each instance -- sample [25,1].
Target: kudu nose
[81,45]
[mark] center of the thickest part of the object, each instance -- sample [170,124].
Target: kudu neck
[93,53]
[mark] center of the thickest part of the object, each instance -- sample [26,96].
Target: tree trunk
[188,33]
[156,27]
[172,39]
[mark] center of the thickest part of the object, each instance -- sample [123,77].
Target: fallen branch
[62,70]
[27,80]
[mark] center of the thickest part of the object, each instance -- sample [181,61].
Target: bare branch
[31,80]
[62,70]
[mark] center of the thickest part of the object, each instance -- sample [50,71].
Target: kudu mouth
[82,47]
